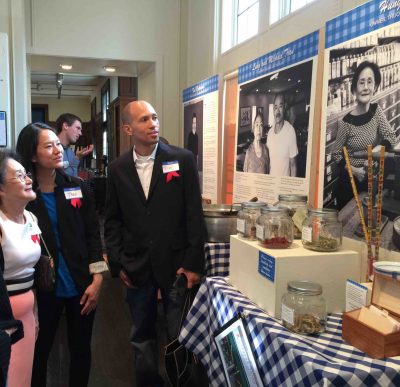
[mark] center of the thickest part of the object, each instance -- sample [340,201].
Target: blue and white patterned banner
[297,51]
[204,87]
[366,18]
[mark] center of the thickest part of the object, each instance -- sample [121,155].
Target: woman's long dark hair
[27,143]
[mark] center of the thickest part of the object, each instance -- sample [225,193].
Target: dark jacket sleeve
[113,227]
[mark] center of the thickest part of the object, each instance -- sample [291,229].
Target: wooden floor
[112,354]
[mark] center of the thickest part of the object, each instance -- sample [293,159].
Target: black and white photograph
[363,109]
[275,142]
[193,131]
[236,355]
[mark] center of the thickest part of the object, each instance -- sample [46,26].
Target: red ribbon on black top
[76,202]
[170,175]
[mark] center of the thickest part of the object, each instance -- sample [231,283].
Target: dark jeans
[79,327]
[142,304]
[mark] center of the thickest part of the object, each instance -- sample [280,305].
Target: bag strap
[42,240]
[186,307]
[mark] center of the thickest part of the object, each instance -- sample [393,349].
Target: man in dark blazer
[154,231]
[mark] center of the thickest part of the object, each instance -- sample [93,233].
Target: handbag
[45,275]
[181,365]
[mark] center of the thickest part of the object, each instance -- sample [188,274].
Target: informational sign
[362,107]
[275,123]
[266,266]
[200,103]
[3,129]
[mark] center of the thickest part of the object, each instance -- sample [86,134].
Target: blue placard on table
[266,266]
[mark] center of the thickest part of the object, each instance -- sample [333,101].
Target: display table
[217,259]
[283,358]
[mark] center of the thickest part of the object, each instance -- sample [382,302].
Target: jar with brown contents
[304,308]
[297,209]
[246,219]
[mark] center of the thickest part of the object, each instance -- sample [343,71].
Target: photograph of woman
[365,124]
[67,219]
[257,157]
[20,245]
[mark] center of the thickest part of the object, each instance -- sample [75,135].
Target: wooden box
[385,295]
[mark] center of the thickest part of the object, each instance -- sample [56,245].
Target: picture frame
[245,116]
[235,351]
[3,129]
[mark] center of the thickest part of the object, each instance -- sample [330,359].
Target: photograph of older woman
[257,156]
[364,125]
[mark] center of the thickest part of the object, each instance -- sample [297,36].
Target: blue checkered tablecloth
[217,259]
[283,358]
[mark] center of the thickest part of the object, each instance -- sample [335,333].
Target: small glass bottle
[274,228]
[297,207]
[322,230]
[303,308]
[246,219]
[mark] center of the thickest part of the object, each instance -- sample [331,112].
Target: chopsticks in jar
[355,193]
[379,202]
[370,204]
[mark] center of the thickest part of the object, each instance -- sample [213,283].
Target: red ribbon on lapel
[76,202]
[35,238]
[170,175]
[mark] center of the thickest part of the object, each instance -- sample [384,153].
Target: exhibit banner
[200,123]
[275,123]
[361,107]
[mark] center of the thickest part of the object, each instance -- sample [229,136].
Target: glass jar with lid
[274,228]
[297,207]
[303,308]
[322,230]
[246,219]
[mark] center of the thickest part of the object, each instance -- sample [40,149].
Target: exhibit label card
[356,295]
[200,120]
[275,123]
[361,107]
[266,265]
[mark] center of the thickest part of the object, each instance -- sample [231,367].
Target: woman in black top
[70,230]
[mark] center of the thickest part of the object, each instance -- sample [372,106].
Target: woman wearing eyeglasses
[20,251]
[70,230]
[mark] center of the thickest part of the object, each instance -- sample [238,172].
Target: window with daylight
[239,22]
[282,8]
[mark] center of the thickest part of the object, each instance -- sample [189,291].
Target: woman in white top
[20,244]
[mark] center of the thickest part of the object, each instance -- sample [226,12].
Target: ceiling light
[110,69]
[66,66]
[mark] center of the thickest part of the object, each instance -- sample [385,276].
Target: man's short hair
[68,118]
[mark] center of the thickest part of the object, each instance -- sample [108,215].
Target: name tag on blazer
[170,166]
[73,193]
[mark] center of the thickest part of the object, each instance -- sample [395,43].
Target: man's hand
[125,279]
[91,295]
[192,278]
[84,151]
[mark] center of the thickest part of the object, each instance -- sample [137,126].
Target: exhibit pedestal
[331,270]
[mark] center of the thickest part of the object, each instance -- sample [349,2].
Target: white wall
[147,85]
[119,29]
[79,106]
[200,31]
[12,22]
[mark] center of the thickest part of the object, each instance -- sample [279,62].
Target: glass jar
[274,228]
[303,308]
[297,207]
[246,219]
[322,230]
